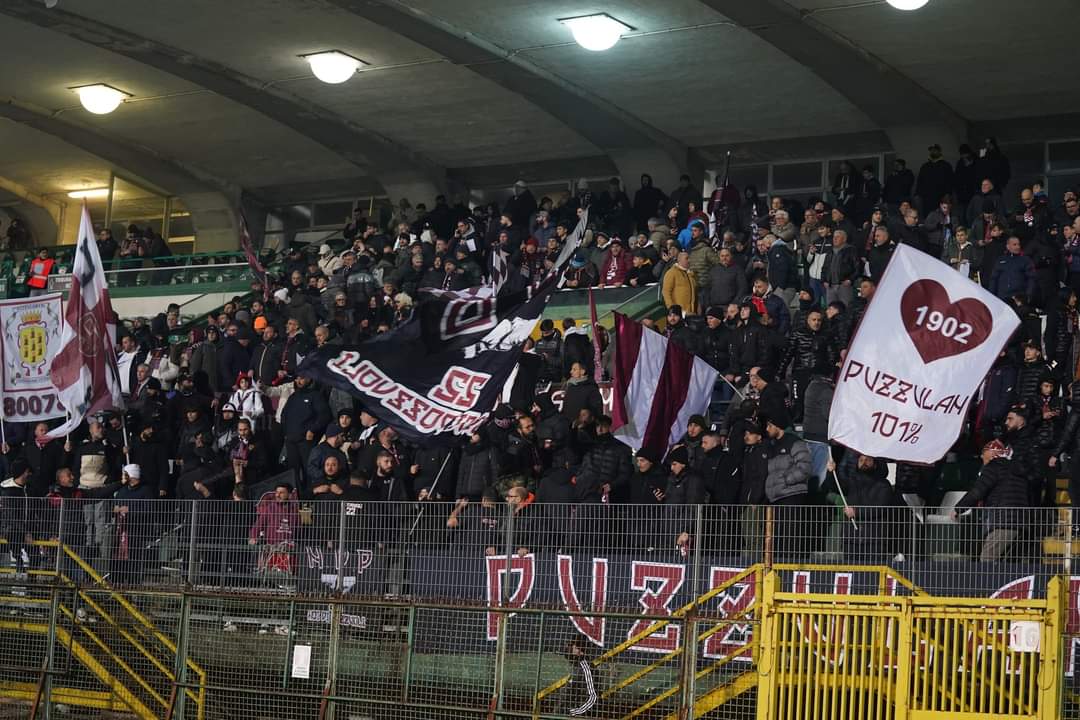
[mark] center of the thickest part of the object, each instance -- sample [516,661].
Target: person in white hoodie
[328,261]
[247,399]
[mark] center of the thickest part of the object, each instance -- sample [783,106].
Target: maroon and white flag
[657,386]
[84,371]
[923,347]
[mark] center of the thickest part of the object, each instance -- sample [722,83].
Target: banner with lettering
[925,344]
[31,337]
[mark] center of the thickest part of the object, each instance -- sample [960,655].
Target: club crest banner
[927,340]
[31,337]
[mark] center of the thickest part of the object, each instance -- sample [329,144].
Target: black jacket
[809,350]
[581,394]
[477,470]
[607,462]
[305,411]
[998,485]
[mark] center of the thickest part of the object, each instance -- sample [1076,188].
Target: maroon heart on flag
[940,328]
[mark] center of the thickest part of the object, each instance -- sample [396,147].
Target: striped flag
[657,386]
[84,370]
[500,268]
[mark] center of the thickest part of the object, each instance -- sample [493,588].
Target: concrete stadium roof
[480,91]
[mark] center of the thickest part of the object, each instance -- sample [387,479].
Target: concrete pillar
[217,224]
[911,141]
[655,161]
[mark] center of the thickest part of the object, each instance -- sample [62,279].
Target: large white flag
[923,347]
[30,332]
[84,371]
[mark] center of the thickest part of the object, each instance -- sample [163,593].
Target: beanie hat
[133,471]
[698,420]
[715,311]
[679,455]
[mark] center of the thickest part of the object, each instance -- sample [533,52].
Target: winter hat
[715,311]
[779,418]
[532,241]
[521,184]
[752,427]
[228,407]
[675,310]
[243,316]
[260,323]
[647,454]
[998,449]
[578,261]
[281,294]
[333,430]
[698,420]
[324,250]
[153,383]
[133,471]
[679,455]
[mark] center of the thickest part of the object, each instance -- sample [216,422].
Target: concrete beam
[211,201]
[388,160]
[605,125]
[887,96]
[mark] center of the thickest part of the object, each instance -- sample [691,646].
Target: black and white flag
[437,377]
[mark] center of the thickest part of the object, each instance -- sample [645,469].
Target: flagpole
[836,480]
[123,427]
[430,489]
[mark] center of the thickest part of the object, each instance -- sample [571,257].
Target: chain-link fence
[278,607]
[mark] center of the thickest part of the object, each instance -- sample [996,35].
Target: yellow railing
[139,645]
[909,658]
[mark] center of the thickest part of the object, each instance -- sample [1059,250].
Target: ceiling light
[596,32]
[332,66]
[100,99]
[89,193]
[907,4]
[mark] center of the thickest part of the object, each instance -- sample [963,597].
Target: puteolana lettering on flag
[925,343]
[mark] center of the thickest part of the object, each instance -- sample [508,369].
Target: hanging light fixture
[333,66]
[89,193]
[596,32]
[99,98]
[907,4]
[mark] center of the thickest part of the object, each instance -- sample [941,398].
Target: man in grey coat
[727,282]
[786,486]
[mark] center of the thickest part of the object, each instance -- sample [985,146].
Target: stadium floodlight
[99,98]
[89,193]
[333,66]
[596,32]
[907,4]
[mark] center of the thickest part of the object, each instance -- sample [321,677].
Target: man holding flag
[84,370]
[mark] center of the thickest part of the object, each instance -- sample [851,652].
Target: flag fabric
[500,268]
[256,265]
[657,386]
[437,377]
[84,371]
[925,343]
[573,240]
[598,355]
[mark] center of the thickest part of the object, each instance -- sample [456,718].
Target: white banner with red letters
[927,340]
[30,328]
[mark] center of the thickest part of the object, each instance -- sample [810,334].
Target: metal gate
[909,658]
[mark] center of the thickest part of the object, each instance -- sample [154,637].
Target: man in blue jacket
[1014,273]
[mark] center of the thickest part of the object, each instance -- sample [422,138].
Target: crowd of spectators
[766,290]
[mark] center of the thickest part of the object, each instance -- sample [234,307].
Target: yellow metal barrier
[83,654]
[908,658]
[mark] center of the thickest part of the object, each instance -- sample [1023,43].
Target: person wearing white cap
[328,261]
[134,525]
[281,295]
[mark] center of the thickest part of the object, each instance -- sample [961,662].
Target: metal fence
[348,608]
